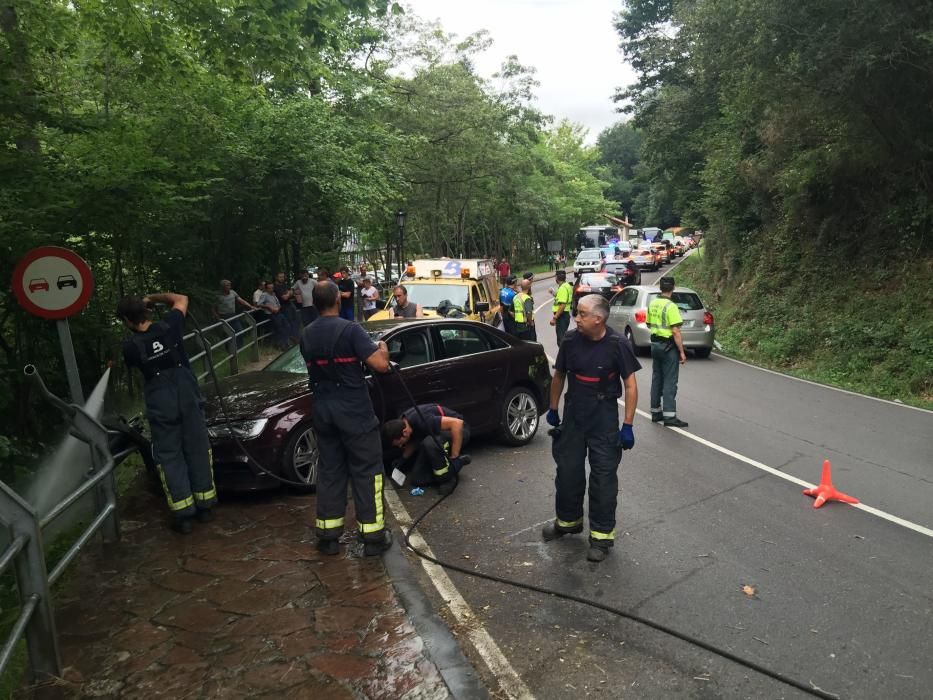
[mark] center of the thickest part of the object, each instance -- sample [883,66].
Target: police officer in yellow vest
[524,313]
[665,321]
[561,307]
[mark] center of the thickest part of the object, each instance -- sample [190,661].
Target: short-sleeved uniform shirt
[352,348]
[563,296]
[663,314]
[431,423]
[154,344]
[596,366]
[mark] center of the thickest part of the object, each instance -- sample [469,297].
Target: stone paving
[244,607]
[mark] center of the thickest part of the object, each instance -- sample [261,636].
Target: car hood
[252,394]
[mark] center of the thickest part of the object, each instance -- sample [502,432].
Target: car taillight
[707,319]
[641,316]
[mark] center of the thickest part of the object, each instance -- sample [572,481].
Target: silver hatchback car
[628,311]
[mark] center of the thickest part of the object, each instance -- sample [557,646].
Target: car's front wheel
[301,457]
[519,420]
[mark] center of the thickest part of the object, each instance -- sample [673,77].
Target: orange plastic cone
[826,491]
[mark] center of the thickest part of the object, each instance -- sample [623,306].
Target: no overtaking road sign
[52,282]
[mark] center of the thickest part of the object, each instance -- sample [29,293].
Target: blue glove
[552,417]
[627,436]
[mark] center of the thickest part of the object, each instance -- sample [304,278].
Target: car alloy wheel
[302,456]
[519,416]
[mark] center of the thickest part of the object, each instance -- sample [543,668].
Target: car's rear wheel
[519,421]
[302,456]
[702,353]
[631,339]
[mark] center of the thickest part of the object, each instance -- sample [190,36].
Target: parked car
[628,312]
[588,260]
[601,283]
[498,382]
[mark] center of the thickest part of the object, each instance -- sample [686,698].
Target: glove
[627,436]
[552,417]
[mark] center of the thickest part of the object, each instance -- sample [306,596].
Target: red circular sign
[52,282]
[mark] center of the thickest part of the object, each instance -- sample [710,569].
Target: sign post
[55,283]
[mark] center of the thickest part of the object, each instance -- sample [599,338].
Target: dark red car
[499,383]
[602,283]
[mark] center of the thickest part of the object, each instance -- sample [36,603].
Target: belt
[660,339]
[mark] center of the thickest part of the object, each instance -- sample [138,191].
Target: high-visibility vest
[518,306]
[659,320]
[563,296]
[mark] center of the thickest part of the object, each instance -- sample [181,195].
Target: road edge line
[508,678]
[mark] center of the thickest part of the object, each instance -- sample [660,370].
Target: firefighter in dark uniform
[174,406]
[431,438]
[345,424]
[596,362]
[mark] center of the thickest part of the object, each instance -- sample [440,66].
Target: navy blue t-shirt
[431,425]
[585,361]
[175,320]
[353,347]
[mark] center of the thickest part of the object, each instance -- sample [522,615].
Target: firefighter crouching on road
[426,461]
[597,361]
[345,424]
[174,406]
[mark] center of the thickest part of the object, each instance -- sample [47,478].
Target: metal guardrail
[25,552]
[232,332]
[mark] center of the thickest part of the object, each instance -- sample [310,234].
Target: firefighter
[345,424]
[174,406]
[431,438]
[596,362]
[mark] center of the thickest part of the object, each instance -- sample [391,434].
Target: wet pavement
[244,607]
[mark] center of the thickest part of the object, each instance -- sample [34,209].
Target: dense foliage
[799,137]
[172,144]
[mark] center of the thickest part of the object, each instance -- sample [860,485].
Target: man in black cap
[506,296]
[667,348]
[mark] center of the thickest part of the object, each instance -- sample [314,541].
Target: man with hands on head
[596,363]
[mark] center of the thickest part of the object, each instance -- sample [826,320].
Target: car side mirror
[482,307]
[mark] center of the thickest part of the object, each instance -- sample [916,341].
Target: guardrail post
[32,580]
[253,335]
[232,346]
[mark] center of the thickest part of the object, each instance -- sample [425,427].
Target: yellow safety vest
[662,314]
[518,306]
[563,296]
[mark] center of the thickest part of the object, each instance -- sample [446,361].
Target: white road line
[509,680]
[783,475]
[823,386]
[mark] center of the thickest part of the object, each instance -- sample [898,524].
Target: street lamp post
[400,222]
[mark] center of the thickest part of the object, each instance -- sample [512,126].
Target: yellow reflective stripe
[366,528]
[603,535]
[324,524]
[445,468]
[441,472]
[379,523]
[173,505]
[569,523]
[205,495]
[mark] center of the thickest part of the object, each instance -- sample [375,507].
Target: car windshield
[599,280]
[686,301]
[430,295]
[292,361]
[588,255]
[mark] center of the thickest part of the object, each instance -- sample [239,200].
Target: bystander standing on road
[225,309]
[258,292]
[523,309]
[506,297]
[431,438]
[303,290]
[665,321]
[174,406]
[563,297]
[286,297]
[269,302]
[370,297]
[596,362]
[345,424]
[504,270]
[347,292]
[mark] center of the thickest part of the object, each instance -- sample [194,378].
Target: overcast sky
[571,43]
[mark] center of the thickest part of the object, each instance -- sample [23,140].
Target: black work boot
[328,547]
[182,525]
[377,547]
[597,553]
[445,488]
[204,515]
[675,423]
[553,531]
[657,417]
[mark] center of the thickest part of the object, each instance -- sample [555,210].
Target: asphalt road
[842,598]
